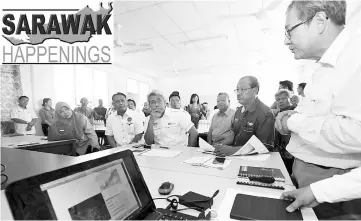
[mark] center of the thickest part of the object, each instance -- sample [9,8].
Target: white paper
[258,157]
[253,145]
[161,153]
[210,163]
[197,160]
[225,207]
[205,146]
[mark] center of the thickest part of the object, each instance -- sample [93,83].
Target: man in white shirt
[23,117]
[167,126]
[133,106]
[326,125]
[335,189]
[123,127]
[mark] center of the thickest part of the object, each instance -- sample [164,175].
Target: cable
[3,175]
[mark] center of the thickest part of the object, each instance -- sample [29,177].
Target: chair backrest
[7,127]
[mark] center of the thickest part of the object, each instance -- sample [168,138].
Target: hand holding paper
[253,145]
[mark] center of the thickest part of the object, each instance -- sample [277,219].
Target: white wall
[58,82]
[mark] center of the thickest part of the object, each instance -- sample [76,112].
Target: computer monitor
[109,187]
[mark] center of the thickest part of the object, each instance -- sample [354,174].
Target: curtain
[11,89]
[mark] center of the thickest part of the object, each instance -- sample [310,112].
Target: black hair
[215,107]
[21,97]
[193,96]
[45,100]
[174,93]
[119,93]
[303,85]
[131,100]
[288,84]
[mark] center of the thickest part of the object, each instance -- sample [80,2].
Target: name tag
[172,124]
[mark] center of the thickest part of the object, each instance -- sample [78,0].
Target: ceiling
[199,37]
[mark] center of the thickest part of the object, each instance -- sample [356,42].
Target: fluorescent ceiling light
[139,50]
[203,39]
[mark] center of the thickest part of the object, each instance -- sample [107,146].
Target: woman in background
[46,114]
[194,109]
[86,138]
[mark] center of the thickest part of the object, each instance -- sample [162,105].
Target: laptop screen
[106,188]
[101,193]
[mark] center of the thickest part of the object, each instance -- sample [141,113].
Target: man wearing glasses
[326,126]
[253,118]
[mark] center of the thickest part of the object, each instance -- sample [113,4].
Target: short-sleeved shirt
[171,129]
[46,114]
[23,114]
[124,128]
[222,122]
[258,120]
[88,112]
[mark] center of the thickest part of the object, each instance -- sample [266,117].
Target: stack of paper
[161,153]
[197,160]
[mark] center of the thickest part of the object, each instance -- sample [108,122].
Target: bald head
[253,81]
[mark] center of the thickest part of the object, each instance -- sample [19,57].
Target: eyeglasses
[288,31]
[242,90]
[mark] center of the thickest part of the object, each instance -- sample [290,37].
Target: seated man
[133,106]
[168,126]
[23,117]
[253,118]
[123,127]
[221,122]
[283,97]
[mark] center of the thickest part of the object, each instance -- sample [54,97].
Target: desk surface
[13,142]
[154,169]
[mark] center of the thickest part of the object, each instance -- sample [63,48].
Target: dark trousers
[307,173]
[45,129]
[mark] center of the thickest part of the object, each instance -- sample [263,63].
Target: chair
[7,127]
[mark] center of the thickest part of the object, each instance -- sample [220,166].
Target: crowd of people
[316,131]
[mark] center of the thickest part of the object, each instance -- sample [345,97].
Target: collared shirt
[88,112]
[222,122]
[23,114]
[46,114]
[258,120]
[101,111]
[123,128]
[326,129]
[338,188]
[171,129]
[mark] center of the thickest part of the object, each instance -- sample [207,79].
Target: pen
[164,147]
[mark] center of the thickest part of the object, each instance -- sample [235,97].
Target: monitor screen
[109,187]
[101,193]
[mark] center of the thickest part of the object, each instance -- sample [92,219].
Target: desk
[63,147]
[155,170]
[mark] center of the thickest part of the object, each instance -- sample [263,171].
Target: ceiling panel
[132,28]
[184,14]
[134,5]
[155,17]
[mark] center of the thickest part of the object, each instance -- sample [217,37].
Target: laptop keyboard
[170,215]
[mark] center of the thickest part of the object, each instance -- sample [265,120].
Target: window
[137,91]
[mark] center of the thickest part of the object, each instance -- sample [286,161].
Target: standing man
[253,118]
[23,117]
[123,127]
[87,111]
[222,121]
[326,126]
[167,126]
[100,111]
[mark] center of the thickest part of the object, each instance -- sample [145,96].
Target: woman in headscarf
[83,129]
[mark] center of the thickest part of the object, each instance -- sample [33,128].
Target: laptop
[109,187]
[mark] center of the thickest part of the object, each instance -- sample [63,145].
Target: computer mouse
[166,188]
